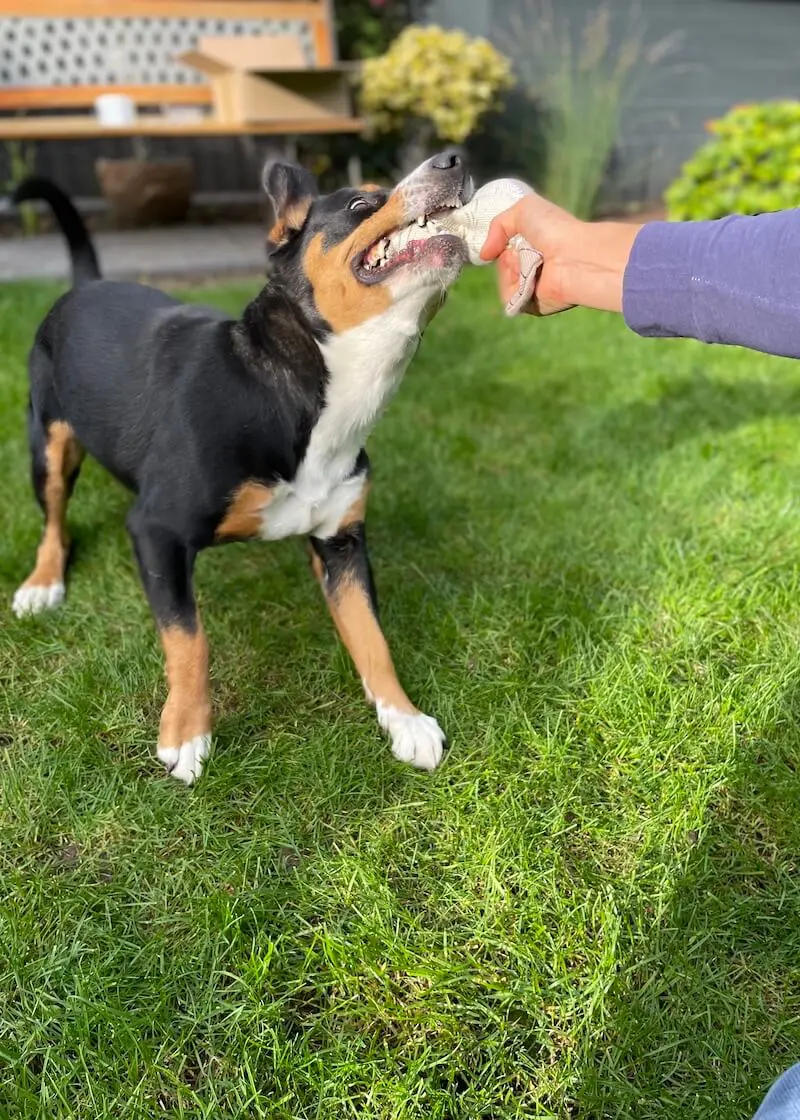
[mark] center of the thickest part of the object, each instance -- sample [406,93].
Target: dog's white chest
[365,365]
[298,508]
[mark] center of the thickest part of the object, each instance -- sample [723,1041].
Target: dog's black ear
[291,190]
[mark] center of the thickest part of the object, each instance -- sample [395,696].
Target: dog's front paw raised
[416,738]
[186,761]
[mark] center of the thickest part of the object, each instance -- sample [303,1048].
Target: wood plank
[329,21]
[310,10]
[81,97]
[324,51]
[83,128]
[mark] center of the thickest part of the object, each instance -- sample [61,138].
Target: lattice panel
[112,51]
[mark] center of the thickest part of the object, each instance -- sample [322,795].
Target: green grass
[587,550]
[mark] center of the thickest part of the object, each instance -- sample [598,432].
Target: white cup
[115,110]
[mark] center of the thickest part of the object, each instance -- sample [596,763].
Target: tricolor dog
[230,430]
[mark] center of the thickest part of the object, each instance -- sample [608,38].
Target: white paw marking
[32,600]
[416,738]
[186,761]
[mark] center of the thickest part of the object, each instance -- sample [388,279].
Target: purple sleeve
[736,281]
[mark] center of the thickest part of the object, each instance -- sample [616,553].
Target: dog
[231,430]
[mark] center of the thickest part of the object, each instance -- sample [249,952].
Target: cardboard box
[256,79]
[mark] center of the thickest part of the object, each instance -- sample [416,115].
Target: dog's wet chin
[442,253]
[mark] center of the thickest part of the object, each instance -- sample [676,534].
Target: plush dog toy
[471,223]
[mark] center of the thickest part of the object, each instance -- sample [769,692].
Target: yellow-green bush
[446,78]
[750,166]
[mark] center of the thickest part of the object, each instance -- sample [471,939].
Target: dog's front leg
[166,565]
[341,564]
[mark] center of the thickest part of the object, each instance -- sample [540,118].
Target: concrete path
[195,251]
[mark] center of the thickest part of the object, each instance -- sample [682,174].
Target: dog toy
[471,223]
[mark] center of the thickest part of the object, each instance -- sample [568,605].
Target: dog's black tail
[85,266]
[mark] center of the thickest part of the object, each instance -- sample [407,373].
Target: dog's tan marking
[360,630]
[187,712]
[339,297]
[63,456]
[371,188]
[358,510]
[363,638]
[242,519]
[291,220]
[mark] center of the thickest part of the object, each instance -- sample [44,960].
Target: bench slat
[87,128]
[14,98]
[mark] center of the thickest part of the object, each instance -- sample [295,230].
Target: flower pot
[146,192]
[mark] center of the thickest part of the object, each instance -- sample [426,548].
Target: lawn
[586,546]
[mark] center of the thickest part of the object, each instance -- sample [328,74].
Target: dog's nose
[446,161]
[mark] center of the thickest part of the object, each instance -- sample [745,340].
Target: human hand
[546,227]
[584,262]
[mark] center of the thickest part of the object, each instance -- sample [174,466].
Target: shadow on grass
[703,1014]
[689,407]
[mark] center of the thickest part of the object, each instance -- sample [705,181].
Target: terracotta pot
[146,192]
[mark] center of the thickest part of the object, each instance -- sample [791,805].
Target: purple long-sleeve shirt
[735,281]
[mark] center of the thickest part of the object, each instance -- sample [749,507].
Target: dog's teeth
[421,220]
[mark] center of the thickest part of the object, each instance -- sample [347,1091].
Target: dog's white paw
[33,599]
[186,761]
[416,738]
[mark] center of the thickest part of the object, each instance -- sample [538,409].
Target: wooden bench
[62,54]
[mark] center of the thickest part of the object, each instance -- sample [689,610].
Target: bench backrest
[64,53]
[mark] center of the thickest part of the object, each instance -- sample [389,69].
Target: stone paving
[173,251]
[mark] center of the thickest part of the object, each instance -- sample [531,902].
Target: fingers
[530,261]
[514,295]
[531,243]
[508,274]
[503,228]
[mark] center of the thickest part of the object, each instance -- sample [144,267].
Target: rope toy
[471,223]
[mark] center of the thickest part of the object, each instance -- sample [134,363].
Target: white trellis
[118,51]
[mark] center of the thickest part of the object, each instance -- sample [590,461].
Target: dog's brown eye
[358,204]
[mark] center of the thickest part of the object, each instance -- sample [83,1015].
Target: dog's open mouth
[422,241]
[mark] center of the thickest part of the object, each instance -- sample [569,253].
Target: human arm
[734,281]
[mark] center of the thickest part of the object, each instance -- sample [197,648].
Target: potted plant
[432,85]
[142,191]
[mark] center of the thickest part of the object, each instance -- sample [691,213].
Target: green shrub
[751,166]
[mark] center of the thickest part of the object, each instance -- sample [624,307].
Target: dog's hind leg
[341,564]
[56,458]
[166,565]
